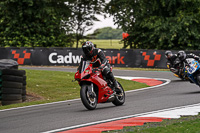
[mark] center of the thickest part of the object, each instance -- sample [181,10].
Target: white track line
[165,113]
[141,89]
[39,105]
[122,77]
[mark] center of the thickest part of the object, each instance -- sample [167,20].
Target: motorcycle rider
[91,53]
[172,62]
[182,56]
[170,58]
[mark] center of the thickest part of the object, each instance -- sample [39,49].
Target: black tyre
[119,97]
[11,91]
[4,102]
[23,92]
[12,78]
[198,79]
[14,72]
[8,84]
[24,83]
[88,101]
[10,97]
[23,87]
[24,78]
[23,98]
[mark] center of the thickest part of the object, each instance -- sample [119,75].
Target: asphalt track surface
[66,114]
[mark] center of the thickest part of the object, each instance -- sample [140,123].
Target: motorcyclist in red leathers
[91,53]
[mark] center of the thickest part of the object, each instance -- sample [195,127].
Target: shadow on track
[195,92]
[188,93]
[100,108]
[179,81]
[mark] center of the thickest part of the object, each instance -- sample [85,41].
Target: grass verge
[52,86]
[115,68]
[186,124]
[141,69]
[105,44]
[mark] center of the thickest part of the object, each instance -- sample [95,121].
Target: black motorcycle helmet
[168,54]
[181,55]
[88,48]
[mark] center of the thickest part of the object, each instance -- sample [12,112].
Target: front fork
[91,88]
[91,92]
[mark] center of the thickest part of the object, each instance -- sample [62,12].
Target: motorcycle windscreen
[85,64]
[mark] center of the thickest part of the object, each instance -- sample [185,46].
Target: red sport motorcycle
[95,88]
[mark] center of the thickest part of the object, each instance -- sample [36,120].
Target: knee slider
[106,71]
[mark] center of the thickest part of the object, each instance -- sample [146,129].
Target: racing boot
[109,75]
[114,90]
[117,87]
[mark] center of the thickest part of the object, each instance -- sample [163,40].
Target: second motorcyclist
[182,56]
[170,59]
[172,62]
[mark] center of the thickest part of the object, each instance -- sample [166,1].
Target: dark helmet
[87,48]
[181,55]
[168,54]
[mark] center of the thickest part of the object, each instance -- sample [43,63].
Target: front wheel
[198,79]
[119,97]
[89,99]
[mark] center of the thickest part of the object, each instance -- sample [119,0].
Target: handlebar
[95,70]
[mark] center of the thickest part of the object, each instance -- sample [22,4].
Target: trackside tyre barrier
[13,72]
[11,90]
[13,86]
[24,93]
[11,82]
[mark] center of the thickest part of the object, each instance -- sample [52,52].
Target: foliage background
[33,23]
[45,23]
[158,24]
[155,24]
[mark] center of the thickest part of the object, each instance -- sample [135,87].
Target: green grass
[106,44]
[51,86]
[189,124]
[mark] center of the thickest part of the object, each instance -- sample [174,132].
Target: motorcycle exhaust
[111,98]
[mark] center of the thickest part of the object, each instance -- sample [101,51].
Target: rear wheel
[119,97]
[89,99]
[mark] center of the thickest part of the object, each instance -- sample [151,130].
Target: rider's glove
[100,68]
[168,65]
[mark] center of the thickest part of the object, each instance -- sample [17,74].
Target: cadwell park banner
[72,57]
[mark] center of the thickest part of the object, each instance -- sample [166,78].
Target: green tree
[34,23]
[83,16]
[158,24]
